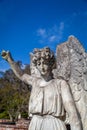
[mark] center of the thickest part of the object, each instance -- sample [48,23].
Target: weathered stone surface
[72,66]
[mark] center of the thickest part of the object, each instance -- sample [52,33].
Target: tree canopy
[14,95]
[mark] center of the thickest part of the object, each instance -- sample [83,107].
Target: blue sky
[29,24]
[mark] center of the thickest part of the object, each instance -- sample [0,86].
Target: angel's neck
[47,77]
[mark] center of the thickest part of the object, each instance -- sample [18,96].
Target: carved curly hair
[46,54]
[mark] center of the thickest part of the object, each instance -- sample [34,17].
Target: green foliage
[24,114]
[4,115]
[14,96]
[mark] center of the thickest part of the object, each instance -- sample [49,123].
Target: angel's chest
[46,90]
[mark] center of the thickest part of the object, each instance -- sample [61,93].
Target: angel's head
[43,60]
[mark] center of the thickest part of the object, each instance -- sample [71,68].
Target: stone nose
[42,67]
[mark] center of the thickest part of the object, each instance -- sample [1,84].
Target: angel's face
[42,66]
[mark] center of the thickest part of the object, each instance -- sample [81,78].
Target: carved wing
[72,66]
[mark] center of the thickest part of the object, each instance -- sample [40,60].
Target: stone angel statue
[54,92]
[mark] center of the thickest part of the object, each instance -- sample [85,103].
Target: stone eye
[38,63]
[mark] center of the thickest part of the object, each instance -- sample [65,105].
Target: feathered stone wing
[72,66]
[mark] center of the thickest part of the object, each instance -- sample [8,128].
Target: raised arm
[70,107]
[16,68]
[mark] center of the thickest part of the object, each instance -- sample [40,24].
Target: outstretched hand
[5,55]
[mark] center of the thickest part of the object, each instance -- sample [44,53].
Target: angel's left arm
[70,106]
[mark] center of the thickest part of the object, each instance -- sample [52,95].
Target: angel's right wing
[72,66]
